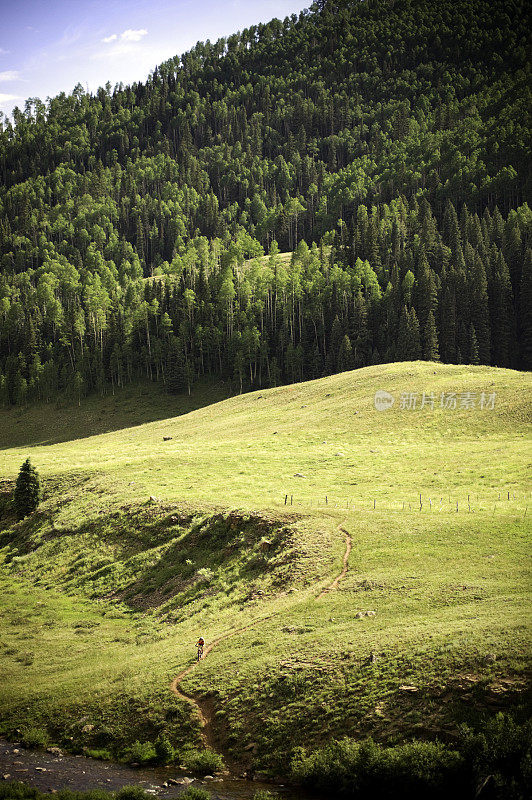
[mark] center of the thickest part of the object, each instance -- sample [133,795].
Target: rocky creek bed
[50,772]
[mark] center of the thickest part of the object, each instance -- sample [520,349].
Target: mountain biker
[200,644]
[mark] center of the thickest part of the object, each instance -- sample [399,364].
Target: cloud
[10,75]
[122,44]
[3,51]
[128,35]
[7,98]
[133,36]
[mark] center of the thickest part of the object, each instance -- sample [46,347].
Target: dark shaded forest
[385,144]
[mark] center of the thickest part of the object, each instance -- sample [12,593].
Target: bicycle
[200,650]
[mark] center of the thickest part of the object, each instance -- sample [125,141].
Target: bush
[263,794]
[101,754]
[17,791]
[204,762]
[33,738]
[163,748]
[27,490]
[140,753]
[132,793]
[6,505]
[195,794]
[204,575]
[499,757]
[414,770]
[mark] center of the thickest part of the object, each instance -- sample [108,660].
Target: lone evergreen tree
[27,490]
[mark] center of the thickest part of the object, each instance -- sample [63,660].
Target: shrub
[263,794]
[17,791]
[500,757]
[101,754]
[140,752]
[92,794]
[27,490]
[192,793]
[204,575]
[413,770]
[132,793]
[34,737]
[204,762]
[6,505]
[163,748]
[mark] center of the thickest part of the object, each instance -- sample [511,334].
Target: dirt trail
[341,576]
[204,708]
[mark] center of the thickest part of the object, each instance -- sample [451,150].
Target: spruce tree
[415,341]
[27,490]
[359,332]
[448,320]
[501,313]
[525,316]
[430,340]
[408,347]
[345,356]
[176,381]
[478,294]
[473,346]
[334,347]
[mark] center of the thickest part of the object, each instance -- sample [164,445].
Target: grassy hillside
[248,449]
[105,590]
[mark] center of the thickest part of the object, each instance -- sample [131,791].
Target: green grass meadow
[104,591]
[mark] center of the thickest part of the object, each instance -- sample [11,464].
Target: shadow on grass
[51,423]
[150,557]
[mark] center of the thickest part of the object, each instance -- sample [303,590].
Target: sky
[48,46]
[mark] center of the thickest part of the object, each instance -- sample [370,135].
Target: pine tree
[426,301]
[316,364]
[335,342]
[408,346]
[176,379]
[448,320]
[430,340]
[345,356]
[473,346]
[415,341]
[502,317]
[359,332]
[525,315]
[27,490]
[478,294]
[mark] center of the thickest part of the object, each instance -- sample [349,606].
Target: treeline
[391,286]
[391,134]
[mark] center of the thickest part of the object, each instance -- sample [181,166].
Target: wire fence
[502,502]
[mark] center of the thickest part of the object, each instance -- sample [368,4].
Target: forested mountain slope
[391,134]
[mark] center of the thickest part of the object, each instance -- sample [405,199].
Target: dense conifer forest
[384,144]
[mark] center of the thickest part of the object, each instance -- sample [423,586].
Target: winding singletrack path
[341,576]
[203,708]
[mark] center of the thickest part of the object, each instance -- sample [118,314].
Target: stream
[49,773]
